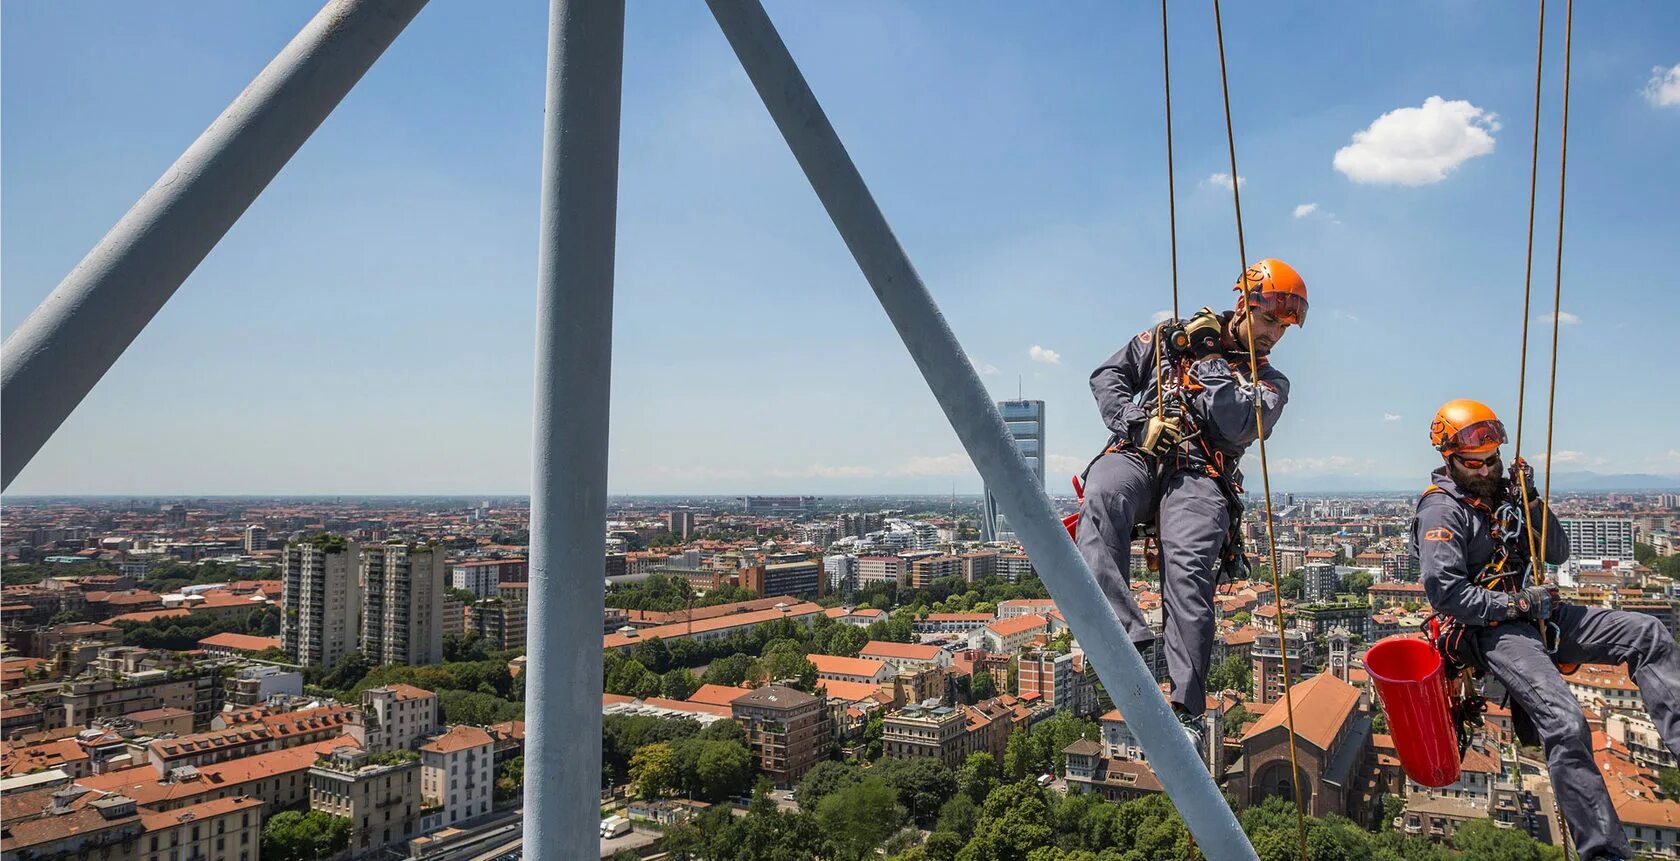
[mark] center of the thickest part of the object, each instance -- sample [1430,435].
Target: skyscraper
[402,598]
[1025,420]
[320,603]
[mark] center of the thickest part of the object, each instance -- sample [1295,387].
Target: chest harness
[1177,384]
[1506,571]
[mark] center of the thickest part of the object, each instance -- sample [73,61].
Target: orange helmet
[1275,286]
[1466,427]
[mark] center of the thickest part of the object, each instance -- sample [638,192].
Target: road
[634,840]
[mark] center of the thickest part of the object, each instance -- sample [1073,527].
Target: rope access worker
[1179,400]
[1473,547]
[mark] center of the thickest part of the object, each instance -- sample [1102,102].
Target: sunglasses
[1478,462]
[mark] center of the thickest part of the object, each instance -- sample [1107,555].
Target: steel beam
[569,465]
[57,355]
[975,418]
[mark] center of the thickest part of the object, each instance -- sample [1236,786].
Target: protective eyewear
[1478,462]
[1479,437]
[1288,308]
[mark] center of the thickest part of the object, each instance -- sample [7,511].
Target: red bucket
[1412,686]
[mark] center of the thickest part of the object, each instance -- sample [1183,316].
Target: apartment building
[456,780]
[402,599]
[499,621]
[789,731]
[378,793]
[395,717]
[320,602]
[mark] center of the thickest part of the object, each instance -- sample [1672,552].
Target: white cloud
[1343,315]
[1305,209]
[1572,458]
[1223,180]
[823,470]
[955,463]
[1565,317]
[1418,146]
[1332,463]
[1047,356]
[1663,90]
[1391,417]
[988,370]
[1160,316]
[1058,467]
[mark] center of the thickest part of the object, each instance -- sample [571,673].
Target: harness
[1507,571]
[1233,558]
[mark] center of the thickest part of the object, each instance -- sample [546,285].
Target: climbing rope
[1557,282]
[1260,432]
[1536,550]
[1172,214]
[1528,281]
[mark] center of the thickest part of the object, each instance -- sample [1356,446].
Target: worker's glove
[1534,603]
[1162,433]
[1522,481]
[1205,333]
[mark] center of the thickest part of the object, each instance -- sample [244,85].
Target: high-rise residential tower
[319,599]
[402,602]
[1025,420]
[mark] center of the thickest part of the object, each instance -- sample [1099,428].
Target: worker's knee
[1565,726]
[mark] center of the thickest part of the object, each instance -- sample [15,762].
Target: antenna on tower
[1020,392]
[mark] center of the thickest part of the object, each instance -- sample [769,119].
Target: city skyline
[395,254]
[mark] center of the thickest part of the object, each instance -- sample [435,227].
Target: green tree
[1643,553]
[292,835]
[1020,756]
[678,684]
[1668,780]
[653,769]
[1358,583]
[787,663]
[1012,823]
[633,680]
[1482,840]
[922,784]
[510,779]
[856,819]
[729,672]
[978,776]
[824,779]
[1233,673]
[721,769]
[983,686]
[958,816]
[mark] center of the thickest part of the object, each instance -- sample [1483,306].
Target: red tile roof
[841,666]
[899,651]
[457,739]
[240,642]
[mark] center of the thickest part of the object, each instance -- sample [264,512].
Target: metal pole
[68,343]
[975,419]
[569,466]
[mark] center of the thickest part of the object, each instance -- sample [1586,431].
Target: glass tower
[1025,420]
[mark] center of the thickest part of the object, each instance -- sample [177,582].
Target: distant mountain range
[1564,481]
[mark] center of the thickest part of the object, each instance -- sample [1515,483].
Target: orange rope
[1260,432]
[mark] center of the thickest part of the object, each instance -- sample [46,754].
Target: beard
[1485,486]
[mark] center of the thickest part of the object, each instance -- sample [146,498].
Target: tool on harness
[1233,556]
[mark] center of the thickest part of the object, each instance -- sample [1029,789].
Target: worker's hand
[1162,434]
[1522,482]
[1205,332]
[1534,603]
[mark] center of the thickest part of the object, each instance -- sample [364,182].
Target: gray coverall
[1125,487]
[1453,542]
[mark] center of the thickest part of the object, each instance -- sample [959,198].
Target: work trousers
[1123,489]
[1514,652]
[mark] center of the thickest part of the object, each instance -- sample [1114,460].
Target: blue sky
[367,326]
